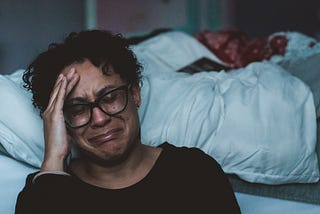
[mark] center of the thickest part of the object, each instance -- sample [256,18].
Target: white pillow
[21,132]
[172,51]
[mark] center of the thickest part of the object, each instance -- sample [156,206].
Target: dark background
[28,26]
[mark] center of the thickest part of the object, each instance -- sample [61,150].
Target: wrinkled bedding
[257,121]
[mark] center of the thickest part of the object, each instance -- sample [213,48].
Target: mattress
[253,204]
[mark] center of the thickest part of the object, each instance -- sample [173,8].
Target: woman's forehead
[92,80]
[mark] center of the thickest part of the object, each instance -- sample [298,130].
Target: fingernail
[72,70]
[60,77]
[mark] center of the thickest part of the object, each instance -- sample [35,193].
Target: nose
[99,118]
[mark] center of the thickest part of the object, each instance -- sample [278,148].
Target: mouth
[106,137]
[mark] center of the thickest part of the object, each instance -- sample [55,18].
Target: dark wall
[260,18]
[28,26]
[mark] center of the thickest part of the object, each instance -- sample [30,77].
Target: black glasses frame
[94,104]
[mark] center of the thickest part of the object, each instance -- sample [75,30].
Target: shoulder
[184,151]
[192,157]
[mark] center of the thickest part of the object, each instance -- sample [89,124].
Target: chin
[108,157]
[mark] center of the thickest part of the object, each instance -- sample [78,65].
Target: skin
[112,155]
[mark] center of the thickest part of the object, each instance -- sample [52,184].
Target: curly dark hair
[101,48]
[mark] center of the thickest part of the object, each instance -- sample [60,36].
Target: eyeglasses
[111,103]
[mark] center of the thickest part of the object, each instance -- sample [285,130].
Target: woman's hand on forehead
[72,78]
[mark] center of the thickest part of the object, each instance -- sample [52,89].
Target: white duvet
[257,122]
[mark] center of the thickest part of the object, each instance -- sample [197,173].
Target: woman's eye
[78,110]
[109,98]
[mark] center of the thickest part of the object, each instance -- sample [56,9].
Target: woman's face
[105,139]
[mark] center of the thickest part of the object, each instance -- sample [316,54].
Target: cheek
[132,120]
[77,135]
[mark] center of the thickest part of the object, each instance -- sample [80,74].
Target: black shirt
[183,180]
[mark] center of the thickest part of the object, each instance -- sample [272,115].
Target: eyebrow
[105,90]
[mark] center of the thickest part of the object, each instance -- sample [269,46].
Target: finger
[70,73]
[57,83]
[55,90]
[72,81]
[59,101]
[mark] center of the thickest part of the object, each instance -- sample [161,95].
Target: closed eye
[109,98]
[76,110]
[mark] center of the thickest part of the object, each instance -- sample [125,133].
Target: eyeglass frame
[95,104]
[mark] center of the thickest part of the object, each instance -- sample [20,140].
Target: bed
[256,116]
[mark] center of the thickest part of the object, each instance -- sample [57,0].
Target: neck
[126,173]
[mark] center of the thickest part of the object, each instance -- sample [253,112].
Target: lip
[103,138]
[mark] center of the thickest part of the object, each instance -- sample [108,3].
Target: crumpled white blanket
[257,122]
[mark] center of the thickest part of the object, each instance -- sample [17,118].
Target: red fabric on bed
[234,48]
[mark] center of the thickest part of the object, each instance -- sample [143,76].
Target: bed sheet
[252,204]
[13,174]
[12,179]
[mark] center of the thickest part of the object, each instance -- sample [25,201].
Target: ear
[135,90]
